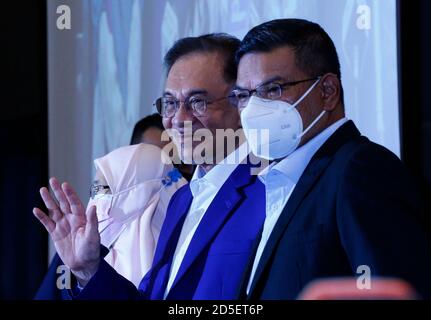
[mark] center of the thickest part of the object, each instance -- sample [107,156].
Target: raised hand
[74,232]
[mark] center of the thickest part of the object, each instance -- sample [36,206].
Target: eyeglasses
[98,189]
[271,91]
[168,106]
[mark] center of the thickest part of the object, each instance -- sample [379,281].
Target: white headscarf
[130,219]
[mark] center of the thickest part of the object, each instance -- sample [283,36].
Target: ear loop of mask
[306,93]
[299,101]
[312,124]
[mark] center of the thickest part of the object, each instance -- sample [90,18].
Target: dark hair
[315,52]
[214,42]
[151,121]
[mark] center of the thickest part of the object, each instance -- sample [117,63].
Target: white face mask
[115,210]
[103,203]
[274,128]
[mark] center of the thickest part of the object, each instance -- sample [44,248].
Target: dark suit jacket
[48,289]
[215,260]
[354,205]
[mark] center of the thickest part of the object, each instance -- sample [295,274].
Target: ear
[330,91]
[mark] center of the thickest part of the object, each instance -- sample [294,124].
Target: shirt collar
[218,175]
[293,166]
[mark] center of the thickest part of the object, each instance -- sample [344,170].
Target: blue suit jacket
[216,257]
[355,204]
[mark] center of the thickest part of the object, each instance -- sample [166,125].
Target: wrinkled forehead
[197,72]
[256,68]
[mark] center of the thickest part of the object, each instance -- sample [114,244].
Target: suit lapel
[215,217]
[311,175]
[172,226]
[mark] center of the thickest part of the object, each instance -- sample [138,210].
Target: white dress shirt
[280,180]
[204,187]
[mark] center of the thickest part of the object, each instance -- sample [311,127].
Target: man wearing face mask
[335,202]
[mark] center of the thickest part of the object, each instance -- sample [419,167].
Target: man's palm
[74,232]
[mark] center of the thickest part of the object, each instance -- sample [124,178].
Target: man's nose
[182,115]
